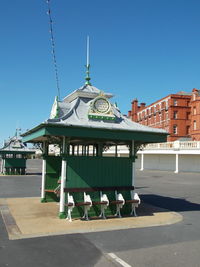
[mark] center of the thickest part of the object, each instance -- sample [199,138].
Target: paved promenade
[27,217]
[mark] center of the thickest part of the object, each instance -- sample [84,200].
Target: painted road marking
[120,261]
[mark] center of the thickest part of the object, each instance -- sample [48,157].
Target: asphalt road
[171,245]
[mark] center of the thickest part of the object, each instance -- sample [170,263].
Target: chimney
[134,109]
[142,105]
[195,93]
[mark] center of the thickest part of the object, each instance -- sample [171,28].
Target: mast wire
[53,47]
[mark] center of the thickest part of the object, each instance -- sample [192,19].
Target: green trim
[44,156]
[16,152]
[62,215]
[37,134]
[107,134]
[57,108]
[87,78]
[64,156]
[43,200]
[133,158]
[101,117]
[34,133]
[15,163]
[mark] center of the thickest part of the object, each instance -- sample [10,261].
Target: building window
[154,110]
[175,114]
[175,102]
[194,125]
[175,129]
[194,111]
[187,130]
[187,115]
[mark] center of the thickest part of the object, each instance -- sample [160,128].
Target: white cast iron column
[2,165]
[4,168]
[62,212]
[45,152]
[133,164]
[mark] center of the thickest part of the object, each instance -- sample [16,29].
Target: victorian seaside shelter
[84,125]
[13,156]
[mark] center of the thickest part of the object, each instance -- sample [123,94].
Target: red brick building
[179,114]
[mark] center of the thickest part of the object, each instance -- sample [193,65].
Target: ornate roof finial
[88,63]
[17,132]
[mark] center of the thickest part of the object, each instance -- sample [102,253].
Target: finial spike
[88,50]
[88,63]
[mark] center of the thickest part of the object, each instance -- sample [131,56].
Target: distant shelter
[13,156]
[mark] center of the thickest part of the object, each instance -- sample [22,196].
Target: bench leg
[85,216]
[118,213]
[102,214]
[133,211]
[69,216]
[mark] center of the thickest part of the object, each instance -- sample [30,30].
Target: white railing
[167,145]
[190,145]
[173,145]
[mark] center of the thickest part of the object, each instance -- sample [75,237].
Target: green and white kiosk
[13,156]
[84,125]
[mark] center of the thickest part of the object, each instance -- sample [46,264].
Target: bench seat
[115,195]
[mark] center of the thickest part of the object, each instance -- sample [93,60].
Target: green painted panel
[15,162]
[126,210]
[53,164]
[98,171]
[53,172]
[51,197]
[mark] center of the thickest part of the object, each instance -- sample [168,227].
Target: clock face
[102,105]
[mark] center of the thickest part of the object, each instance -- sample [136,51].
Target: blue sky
[139,48]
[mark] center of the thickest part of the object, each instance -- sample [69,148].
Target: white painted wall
[138,162]
[166,162]
[189,163]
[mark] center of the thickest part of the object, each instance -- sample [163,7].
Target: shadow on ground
[33,173]
[170,203]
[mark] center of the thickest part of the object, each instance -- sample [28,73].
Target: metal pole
[142,162]
[177,169]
